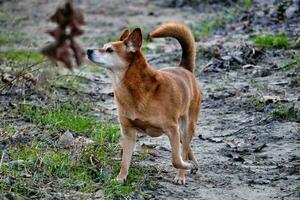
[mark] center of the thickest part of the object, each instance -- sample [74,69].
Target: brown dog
[155,102]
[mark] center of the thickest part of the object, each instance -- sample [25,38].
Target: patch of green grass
[4,40]
[21,56]
[295,81]
[61,117]
[286,113]
[297,190]
[297,43]
[14,174]
[21,21]
[25,155]
[136,181]
[257,103]
[292,64]
[41,166]
[12,38]
[265,40]
[219,87]
[112,188]
[4,17]
[247,4]
[7,130]
[263,87]
[30,170]
[59,162]
[206,27]
[145,47]
[70,117]
[209,26]
[71,84]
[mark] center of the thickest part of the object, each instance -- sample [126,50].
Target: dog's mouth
[92,56]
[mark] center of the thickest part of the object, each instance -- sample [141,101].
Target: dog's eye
[109,50]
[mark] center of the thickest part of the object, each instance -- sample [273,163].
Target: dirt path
[243,153]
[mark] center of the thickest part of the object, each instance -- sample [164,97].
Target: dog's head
[117,55]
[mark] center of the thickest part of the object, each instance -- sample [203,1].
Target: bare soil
[243,153]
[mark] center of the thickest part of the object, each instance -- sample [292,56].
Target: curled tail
[186,39]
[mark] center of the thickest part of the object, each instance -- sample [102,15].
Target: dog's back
[185,84]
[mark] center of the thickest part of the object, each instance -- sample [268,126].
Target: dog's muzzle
[89,53]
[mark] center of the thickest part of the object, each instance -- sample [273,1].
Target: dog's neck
[137,67]
[139,75]
[138,82]
[116,77]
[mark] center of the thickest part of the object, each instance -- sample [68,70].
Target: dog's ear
[134,40]
[124,35]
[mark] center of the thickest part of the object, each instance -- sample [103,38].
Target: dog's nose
[89,52]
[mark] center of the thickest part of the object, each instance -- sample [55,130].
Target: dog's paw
[121,180]
[194,169]
[180,180]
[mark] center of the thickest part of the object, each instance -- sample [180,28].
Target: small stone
[248,66]
[292,9]
[151,158]
[16,162]
[261,72]
[226,58]
[7,181]
[66,139]
[231,144]
[259,181]
[238,159]
[297,106]
[82,141]
[151,146]
[153,152]
[238,59]
[162,148]
[27,175]
[99,195]
[270,99]
[215,139]
[222,95]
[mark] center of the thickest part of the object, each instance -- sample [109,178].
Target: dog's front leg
[128,139]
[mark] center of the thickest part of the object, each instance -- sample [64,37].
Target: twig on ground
[1,161]
[22,74]
[245,127]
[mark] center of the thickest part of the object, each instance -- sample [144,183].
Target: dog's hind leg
[189,138]
[174,136]
[190,133]
[180,174]
[188,127]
